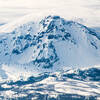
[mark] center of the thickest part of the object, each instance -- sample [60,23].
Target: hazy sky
[88,10]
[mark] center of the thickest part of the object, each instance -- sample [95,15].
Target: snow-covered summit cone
[51,42]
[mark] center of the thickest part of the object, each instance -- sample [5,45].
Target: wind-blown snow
[86,12]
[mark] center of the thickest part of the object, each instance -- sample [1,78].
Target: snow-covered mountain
[50,42]
[38,60]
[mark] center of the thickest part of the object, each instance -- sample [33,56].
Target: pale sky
[87,10]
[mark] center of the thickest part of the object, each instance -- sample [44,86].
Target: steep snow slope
[50,42]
